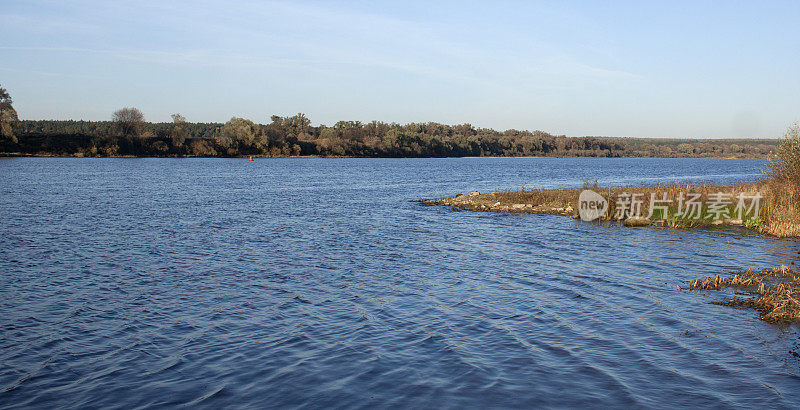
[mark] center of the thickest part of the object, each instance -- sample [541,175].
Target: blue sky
[646,69]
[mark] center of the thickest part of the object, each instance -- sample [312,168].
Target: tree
[178,132]
[240,130]
[128,121]
[8,116]
[160,146]
[299,124]
[685,148]
[201,148]
[787,164]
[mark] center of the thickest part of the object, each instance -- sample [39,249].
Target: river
[322,283]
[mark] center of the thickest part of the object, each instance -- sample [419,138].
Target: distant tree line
[295,136]
[128,134]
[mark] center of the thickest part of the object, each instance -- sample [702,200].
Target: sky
[604,68]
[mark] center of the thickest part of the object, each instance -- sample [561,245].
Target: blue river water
[322,283]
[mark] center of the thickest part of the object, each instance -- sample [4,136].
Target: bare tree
[128,121]
[787,164]
[8,115]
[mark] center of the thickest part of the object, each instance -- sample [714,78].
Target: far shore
[26,155]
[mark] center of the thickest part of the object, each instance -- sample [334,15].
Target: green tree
[128,121]
[8,115]
[299,124]
[178,133]
[239,131]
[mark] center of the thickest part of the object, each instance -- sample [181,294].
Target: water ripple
[319,283]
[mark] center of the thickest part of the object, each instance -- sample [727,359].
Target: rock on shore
[496,202]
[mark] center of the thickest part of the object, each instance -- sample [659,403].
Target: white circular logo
[591,205]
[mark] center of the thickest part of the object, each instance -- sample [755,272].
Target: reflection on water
[321,283]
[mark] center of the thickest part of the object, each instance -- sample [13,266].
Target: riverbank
[263,156]
[294,136]
[761,206]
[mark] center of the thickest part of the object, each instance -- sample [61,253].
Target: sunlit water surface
[319,283]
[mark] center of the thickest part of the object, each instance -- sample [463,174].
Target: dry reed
[774,292]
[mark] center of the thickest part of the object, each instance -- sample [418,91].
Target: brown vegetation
[781,213]
[774,292]
[781,189]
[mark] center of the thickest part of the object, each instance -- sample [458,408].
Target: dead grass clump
[774,292]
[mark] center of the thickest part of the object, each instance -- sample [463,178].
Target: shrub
[786,166]
[782,188]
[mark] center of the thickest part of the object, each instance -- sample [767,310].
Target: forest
[295,136]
